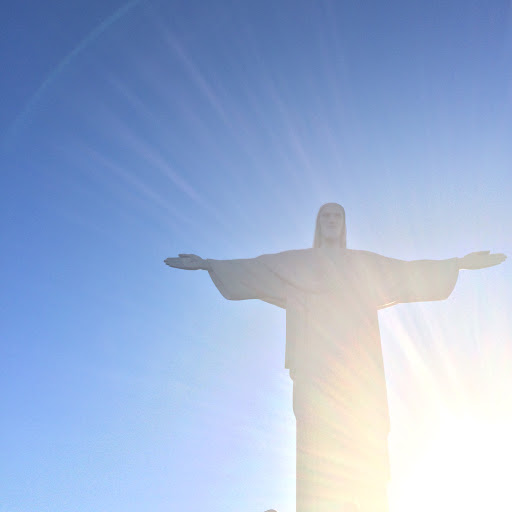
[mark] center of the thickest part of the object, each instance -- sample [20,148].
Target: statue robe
[334,355]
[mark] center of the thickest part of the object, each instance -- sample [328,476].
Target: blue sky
[130,132]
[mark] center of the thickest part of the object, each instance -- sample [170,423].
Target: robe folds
[334,355]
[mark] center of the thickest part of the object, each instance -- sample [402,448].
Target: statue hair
[318,237]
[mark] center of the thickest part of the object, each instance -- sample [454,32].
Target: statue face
[331,222]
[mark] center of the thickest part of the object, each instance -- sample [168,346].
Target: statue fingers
[499,258]
[174,262]
[491,260]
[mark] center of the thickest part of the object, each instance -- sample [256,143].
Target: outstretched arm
[238,279]
[188,262]
[481,259]
[397,281]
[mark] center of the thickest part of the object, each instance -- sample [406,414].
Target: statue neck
[330,243]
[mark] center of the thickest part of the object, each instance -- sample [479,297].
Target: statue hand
[187,262]
[481,259]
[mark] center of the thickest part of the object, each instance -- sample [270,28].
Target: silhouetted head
[330,229]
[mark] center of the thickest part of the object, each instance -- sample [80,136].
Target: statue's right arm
[188,262]
[238,279]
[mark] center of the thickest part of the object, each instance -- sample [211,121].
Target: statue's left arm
[397,281]
[481,259]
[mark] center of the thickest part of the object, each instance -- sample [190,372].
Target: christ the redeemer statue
[333,351]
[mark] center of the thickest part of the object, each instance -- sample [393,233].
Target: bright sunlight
[465,466]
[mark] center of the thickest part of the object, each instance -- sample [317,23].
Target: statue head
[331,229]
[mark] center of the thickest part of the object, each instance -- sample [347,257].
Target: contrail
[23,115]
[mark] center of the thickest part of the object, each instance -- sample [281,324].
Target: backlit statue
[333,351]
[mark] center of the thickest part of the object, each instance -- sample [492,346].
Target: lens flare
[464,466]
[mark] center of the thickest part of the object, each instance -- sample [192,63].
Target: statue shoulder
[296,260]
[364,255]
[292,253]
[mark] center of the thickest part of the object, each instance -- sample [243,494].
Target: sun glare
[465,466]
